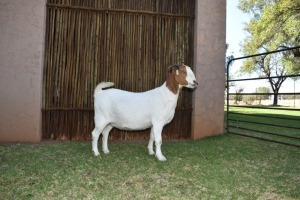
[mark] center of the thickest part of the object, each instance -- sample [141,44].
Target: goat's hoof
[151,152]
[106,151]
[161,158]
[96,153]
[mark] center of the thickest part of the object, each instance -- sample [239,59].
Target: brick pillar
[209,66]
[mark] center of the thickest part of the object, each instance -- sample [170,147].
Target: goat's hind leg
[95,136]
[105,135]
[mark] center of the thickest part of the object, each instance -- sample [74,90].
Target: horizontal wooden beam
[107,10]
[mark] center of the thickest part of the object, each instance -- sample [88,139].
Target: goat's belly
[127,125]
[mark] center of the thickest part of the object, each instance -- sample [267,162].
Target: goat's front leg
[158,141]
[150,144]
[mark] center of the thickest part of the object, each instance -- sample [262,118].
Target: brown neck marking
[173,79]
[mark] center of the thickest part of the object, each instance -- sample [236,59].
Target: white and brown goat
[136,111]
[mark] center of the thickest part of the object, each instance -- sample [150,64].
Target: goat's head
[180,76]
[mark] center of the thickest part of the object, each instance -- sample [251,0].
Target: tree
[274,25]
[238,97]
[264,96]
[248,99]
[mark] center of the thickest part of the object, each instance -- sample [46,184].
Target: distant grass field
[219,167]
[290,119]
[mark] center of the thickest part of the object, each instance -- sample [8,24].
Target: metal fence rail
[252,126]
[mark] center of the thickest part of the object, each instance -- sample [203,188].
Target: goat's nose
[195,82]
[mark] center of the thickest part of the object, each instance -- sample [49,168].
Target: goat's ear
[170,69]
[180,77]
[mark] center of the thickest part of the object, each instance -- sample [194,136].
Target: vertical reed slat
[84,47]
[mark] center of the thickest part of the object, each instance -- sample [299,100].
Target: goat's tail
[102,85]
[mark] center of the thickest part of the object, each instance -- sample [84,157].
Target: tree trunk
[275,99]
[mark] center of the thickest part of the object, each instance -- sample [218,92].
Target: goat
[137,111]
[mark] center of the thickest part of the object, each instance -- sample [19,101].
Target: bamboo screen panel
[130,43]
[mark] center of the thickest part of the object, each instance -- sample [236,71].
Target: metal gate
[268,123]
[130,43]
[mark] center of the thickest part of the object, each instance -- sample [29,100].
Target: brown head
[180,76]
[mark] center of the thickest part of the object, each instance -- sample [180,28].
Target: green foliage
[274,25]
[262,90]
[238,97]
[249,99]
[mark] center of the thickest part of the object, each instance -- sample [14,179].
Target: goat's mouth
[194,84]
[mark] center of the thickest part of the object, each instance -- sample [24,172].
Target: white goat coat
[134,111]
[137,111]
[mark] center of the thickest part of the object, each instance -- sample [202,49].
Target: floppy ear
[180,77]
[171,68]
[171,82]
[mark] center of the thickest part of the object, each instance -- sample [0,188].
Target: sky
[235,35]
[234,28]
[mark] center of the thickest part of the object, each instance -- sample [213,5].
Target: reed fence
[130,43]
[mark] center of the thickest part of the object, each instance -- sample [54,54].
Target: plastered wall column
[22,29]
[209,64]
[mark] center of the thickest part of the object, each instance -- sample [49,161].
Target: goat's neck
[170,95]
[173,85]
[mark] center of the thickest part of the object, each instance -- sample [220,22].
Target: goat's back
[133,111]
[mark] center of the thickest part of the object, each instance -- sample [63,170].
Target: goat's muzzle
[195,84]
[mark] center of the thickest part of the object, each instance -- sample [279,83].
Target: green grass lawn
[259,115]
[219,167]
